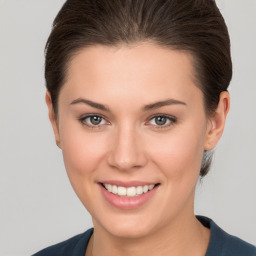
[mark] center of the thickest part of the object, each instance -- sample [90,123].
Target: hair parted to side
[196,26]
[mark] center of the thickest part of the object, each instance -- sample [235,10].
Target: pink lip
[127,203]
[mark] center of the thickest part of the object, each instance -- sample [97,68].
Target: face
[132,128]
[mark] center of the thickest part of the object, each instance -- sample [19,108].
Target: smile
[128,195]
[128,191]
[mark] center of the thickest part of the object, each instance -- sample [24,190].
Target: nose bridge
[127,150]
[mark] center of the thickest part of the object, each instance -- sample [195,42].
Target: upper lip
[128,183]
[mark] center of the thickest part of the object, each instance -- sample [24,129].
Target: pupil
[160,120]
[95,120]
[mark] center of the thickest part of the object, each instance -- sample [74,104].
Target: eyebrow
[162,104]
[90,103]
[145,108]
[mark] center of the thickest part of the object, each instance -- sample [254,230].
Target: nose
[126,152]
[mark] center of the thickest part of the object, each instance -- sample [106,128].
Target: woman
[137,98]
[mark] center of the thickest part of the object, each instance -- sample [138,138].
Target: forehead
[145,69]
[140,57]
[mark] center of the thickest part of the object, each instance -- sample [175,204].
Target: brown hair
[196,26]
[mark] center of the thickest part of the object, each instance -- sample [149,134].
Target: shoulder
[74,246]
[236,246]
[224,244]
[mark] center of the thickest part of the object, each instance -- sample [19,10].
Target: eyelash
[172,120]
[83,121]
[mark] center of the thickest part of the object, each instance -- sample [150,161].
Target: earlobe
[217,121]
[52,118]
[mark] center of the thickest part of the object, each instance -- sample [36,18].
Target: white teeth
[114,189]
[139,190]
[145,189]
[150,187]
[130,191]
[121,191]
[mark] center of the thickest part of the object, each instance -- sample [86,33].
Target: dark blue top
[221,243]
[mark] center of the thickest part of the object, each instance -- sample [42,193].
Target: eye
[93,120]
[162,120]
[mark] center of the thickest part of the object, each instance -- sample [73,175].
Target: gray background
[37,204]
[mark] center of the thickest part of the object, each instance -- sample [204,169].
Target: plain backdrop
[37,204]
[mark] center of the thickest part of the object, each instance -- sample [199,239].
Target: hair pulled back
[196,26]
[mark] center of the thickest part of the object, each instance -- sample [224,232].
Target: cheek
[178,157]
[82,154]
[81,151]
[180,153]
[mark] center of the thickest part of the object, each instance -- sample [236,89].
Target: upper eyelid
[162,115]
[91,114]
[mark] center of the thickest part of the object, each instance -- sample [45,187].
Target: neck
[185,236]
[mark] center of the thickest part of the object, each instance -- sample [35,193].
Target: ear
[52,117]
[217,121]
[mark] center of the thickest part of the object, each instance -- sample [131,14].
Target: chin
[130,227]
[130,232]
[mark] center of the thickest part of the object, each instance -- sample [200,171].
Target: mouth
[132,191]
[128,195]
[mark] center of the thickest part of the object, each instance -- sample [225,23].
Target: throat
[184,241]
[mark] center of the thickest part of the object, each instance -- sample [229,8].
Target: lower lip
[127,203]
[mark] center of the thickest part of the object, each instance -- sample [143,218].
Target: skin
[129,145]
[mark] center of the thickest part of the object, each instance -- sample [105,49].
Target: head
[119,57]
